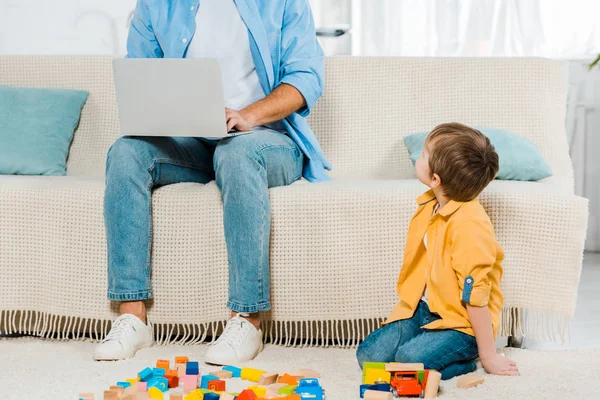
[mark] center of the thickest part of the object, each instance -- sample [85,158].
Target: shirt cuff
[477,295]
[303,85]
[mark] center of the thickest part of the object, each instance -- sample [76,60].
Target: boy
[449,284]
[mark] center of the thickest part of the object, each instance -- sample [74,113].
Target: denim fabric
[284,47]
[244,168]
[448,351]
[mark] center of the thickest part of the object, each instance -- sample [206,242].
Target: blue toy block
[191,368]
[160,383]
[309,388]
[206,379]
[363,389]
[158,372]
[237,372]
[124,385]
[381,387]
[211,396]
[146,374]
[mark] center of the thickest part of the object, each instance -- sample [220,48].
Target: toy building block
[191,368]
[251,374]
[310,373]
[259,391]
[118,389]
[111,395]
[237,372]
[142,386]
[195,395]
[246,395]
[372,376]
[293,397]
[216,385]
[222,374]
[132,380]
[226,396]
[173,381]
[146,374]
[470,381]
[190,382]
[377,395]
[309,388]
[181,360]
[158,372]
[155,393]
[124,385]
[211,396]
[205,379]
[371,365]
[164,364]
[433,384]
[288,389]
[181,370]
[394,367]
[131,390]
[160,383]
[86,396]
[287,379]
[176,396]
[268,379]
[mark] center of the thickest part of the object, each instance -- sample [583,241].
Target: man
[272,70]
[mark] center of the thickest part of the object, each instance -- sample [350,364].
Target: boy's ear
[436,181]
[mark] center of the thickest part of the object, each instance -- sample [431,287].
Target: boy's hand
[500,365]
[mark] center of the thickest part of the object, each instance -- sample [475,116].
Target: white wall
[64,26]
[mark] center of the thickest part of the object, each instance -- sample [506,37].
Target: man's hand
[239,120]
[500,365]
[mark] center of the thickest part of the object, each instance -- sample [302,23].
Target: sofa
[336,247]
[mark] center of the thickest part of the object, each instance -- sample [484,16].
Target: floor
[585,326]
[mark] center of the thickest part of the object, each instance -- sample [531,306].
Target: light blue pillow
[36,129]
[520,159]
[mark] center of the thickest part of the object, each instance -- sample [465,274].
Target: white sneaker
[127,335]
[240,342]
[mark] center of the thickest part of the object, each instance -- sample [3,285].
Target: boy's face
[424,172]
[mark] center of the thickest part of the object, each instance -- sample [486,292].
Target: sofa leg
[515,341]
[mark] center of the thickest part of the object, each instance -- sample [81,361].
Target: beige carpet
[33,369]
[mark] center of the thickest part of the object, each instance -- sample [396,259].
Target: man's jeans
[448,351]
[244,167]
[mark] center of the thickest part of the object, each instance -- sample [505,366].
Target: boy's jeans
[448,351]
[244,167]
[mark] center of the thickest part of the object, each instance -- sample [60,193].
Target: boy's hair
[464,159]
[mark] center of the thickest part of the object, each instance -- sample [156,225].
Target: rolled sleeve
[302,60]
[141,41]
[473,257]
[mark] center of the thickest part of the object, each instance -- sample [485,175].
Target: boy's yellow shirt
[462,264]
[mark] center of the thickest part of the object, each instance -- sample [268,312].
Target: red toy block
[216,385]
[246,395]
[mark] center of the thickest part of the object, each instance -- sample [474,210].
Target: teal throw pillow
[520,159]
[36,129]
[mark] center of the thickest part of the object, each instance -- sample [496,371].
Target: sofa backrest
[368,106]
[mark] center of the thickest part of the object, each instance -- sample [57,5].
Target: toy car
[309,389]
[409,383]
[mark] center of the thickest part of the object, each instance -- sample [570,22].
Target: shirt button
[192,9]
[184,40]
[469,280]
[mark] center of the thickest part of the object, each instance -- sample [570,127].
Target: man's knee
[235,156]
[127,154]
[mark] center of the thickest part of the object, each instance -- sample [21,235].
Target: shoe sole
[233,362]
[138,348]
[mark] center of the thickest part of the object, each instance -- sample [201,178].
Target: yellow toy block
[155,393]
[195,395]
[373,375]
[259,391]
[133,380]
[251,374]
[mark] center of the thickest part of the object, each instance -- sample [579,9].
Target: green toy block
[288,390]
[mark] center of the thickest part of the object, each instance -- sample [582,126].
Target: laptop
[170,97]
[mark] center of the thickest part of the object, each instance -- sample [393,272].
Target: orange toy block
[216,385]
[118,389]
[111,395]
[288,380]
[268,379]
[246,395]
[222,374]
[181,360]
[176,396]
[164,364]
[86,396]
